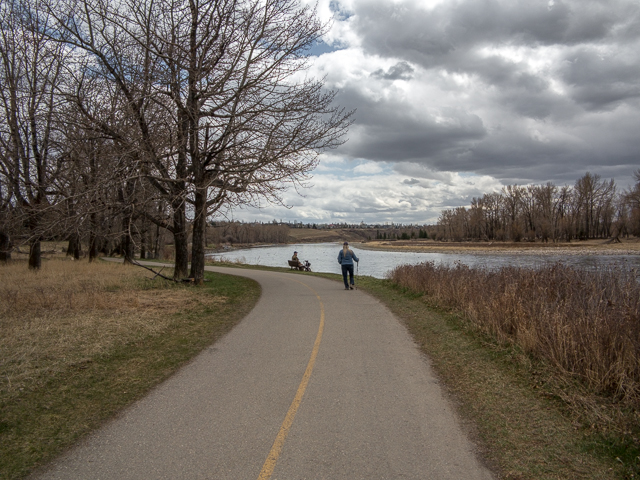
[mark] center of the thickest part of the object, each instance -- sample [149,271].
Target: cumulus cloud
[456,98]
[344,193]
[500,87]
[400,71]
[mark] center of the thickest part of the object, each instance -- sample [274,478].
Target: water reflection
[324,258]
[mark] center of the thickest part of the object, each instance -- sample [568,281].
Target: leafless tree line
[120,120]
[592,208]
[238,232]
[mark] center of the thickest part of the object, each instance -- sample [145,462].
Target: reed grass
[508,402]
[578,332]
[584,323]
[226,262]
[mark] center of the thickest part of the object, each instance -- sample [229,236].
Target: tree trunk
[143,246]
[156,247]
[197,243]
[93,238]
[5,247]
[77,251]
[128,248]
[35,255]
[74,248]
[93,247]
[127,242]
[181,269]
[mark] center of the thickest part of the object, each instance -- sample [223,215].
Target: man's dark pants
[347,269]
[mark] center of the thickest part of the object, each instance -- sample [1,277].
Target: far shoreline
[579,247]
[627,247]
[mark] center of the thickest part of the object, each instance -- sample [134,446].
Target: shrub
[586,323]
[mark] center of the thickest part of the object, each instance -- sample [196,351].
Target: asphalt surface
[327,377]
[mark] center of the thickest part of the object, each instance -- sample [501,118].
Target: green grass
[41,422]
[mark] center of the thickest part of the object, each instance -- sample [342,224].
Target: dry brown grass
[79,342]
[585,323]
[577,331]
[509,401]
[69,312]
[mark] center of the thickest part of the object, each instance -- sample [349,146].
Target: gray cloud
[407,29]
[412,181]
[524,91]
[389,130]
[600,82]
[400,71]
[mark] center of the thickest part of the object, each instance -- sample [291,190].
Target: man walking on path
[346,258]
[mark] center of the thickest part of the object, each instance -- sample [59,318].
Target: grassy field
[80,341]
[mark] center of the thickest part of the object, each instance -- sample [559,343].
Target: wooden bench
[295,266]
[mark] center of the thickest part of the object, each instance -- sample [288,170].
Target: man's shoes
[351,287]
[346,288]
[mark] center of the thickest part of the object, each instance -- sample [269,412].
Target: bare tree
[217,95]
[30,70]
[632,199]
[563,219]
[245,127]
[592,197]
[114,74]
[512,204]
[544,196]
[591,209]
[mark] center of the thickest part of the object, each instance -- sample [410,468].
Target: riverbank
[586,247]
[361,239]
[329,235]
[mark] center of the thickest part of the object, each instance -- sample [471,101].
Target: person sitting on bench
[296,259]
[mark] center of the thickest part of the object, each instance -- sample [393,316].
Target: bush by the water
[586,323]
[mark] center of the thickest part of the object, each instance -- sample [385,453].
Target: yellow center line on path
[276,449]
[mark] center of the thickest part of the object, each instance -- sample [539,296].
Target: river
[323,258]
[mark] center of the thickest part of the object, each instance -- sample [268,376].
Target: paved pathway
[315,383]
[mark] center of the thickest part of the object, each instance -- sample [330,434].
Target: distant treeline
[592,208]
[236,232]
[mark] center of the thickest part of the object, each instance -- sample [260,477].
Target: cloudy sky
[456,98]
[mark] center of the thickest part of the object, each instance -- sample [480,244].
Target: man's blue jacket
[348,258]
